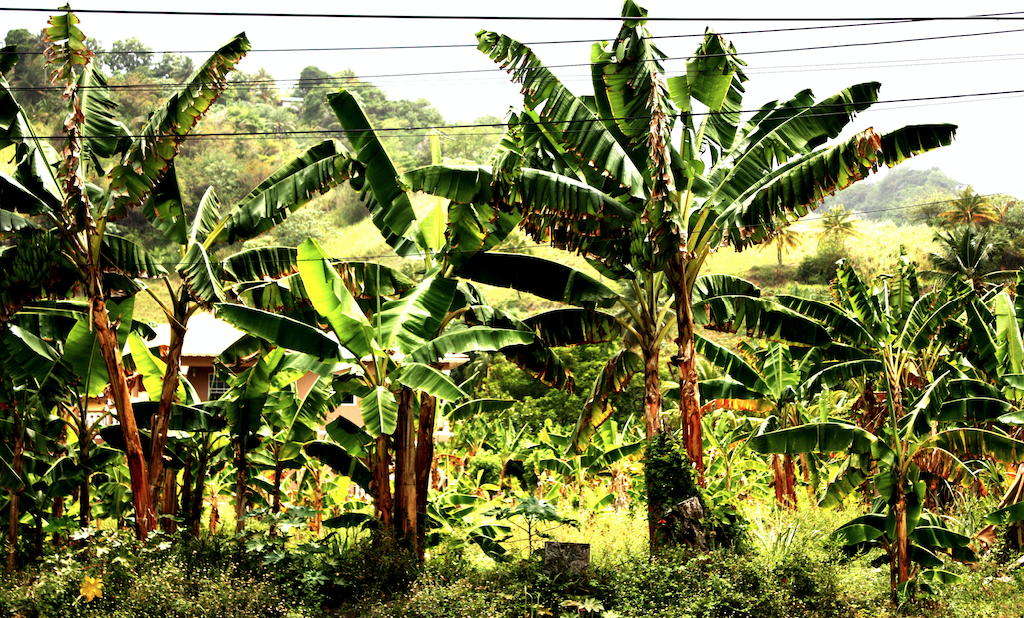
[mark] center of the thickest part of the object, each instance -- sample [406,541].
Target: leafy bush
[820,267]
[486,463]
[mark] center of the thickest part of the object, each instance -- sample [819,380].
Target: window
[217,388]
[348,400]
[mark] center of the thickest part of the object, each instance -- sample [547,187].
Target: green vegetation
[549,338]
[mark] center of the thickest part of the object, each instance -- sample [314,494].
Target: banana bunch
[651,247]
[34,260]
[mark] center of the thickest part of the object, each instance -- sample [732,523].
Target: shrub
[820,267]
[487,463]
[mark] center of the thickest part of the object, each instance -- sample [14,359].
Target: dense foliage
[891,397]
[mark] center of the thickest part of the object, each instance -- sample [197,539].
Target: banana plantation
[333,422]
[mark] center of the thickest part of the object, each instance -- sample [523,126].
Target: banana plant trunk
[15,511]
[785,481]
[424,467]
[163,414]
[686,363]
[169,502]
[241,485]
[902,543]
[195,510]
[381,482]
[276,505]
[405,469]
[652,391]
[106,336]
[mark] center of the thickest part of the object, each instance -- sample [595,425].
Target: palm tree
[969,208]
[838,224]
[786,239]
[965,254]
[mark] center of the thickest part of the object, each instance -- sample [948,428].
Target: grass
[787,567]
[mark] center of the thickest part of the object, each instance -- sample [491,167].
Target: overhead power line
[580,18]
[473,45]
[807,218]
[496,69]
[840,109]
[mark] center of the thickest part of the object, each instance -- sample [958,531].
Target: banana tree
[611,186]
[33,382]
[214,225]
[52,187]
[389,354]
[938,421]
[767,386]
[888,331]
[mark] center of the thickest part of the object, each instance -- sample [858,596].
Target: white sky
[988,139]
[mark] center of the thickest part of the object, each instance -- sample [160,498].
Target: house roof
[206,336]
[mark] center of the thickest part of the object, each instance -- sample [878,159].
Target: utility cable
[840,109]
[569,18]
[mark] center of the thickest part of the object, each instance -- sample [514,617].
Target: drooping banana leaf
[980,443]
[149,157]
[816,438]
[430,380]
[200,277]
[795,188]
[260,264]
[561,112]
[732,364]
[761,318]
[164,209]
[479,406]
[294,184]
[840,324]
[520,272]
[340,461]
[571,326]
[104,135]
[388,202]
[408,322]
[333,301]
[122,256]
[380,411]
[475,339]
[615,376]
[280,330]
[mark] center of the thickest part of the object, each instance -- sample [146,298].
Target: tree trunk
[185,506]
[195,511]
[785,481]
[84,446]
[84,508]
[169,501]
[214,514]
[424,467]
[902,553]
[241,485]
[405,469]
[686,363]
[57,511]
[318,503]
[106,336]
[163,414]
[275,507]
[12,528]
[381,483]
[652,392]
[805,464]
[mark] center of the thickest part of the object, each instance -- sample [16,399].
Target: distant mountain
[897,196]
